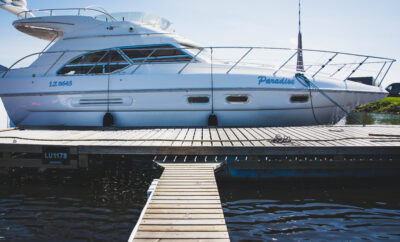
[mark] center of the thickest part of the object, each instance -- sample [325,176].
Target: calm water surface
[106,208]
[312,210]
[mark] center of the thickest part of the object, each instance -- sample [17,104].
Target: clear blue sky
[369,27]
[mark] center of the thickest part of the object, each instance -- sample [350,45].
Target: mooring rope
[309,84]
[8,129]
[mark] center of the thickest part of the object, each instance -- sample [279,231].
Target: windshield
[144,18]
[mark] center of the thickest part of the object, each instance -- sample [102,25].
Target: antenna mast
[300,65]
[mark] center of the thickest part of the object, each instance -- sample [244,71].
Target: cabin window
[108,61]
[101,62]
[154,54]
[299,98]
[237,99]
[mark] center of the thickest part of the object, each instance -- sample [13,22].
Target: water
[313,210]
[105,207]
[72,207]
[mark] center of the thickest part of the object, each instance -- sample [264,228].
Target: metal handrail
[51,10]
[375,60]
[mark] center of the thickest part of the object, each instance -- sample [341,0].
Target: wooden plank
[182,235]
[192,193]
[189,137]
[189,210]
[205,137]
[185,206]
[183,228]
[249,136]
[184,201]
[223,136]
[243,139]
[186,183]
[179,186]
[185,197]
[232,137]
[197,137]
[188,172]
[187,190]
[181,135]
[215,136]
[183,240]
[180,216]
[183,221]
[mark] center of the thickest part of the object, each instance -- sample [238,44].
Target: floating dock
[185,206]
[71,148]
[262,152]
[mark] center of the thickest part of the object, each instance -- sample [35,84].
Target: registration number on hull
[60,83]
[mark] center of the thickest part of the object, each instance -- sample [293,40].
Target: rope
[309,83]
[9,129]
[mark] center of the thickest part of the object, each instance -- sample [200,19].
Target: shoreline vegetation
[389,105]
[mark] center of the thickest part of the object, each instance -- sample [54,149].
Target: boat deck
[185,206]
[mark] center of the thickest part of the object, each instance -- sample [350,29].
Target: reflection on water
[63,207]
[372,118]
[298,211]
[105,205]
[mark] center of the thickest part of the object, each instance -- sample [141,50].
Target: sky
[369,27]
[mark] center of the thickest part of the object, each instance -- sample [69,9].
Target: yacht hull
[171,109]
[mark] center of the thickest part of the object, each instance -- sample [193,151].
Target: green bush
[387,105]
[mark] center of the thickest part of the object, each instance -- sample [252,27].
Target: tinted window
[101,62]
[151,54]
[89,58]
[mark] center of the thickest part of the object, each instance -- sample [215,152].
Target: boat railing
[70,11]
[332,64]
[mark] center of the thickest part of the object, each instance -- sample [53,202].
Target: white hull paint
[265,108]
[95,67]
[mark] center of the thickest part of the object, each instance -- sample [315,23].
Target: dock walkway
[28,148]
[204,141]
[184,206]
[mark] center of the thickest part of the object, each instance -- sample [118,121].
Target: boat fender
[108,120]
[212,120]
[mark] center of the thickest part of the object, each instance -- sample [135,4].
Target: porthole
[192,100]
[237,99]
[299,98]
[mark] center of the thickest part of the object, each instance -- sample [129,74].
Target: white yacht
[133,70]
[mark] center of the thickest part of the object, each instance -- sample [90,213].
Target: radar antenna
[300,63]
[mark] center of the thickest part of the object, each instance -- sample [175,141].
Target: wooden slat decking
[209,141]
[184,206]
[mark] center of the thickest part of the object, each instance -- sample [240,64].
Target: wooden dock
[370,141]
[185,206]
